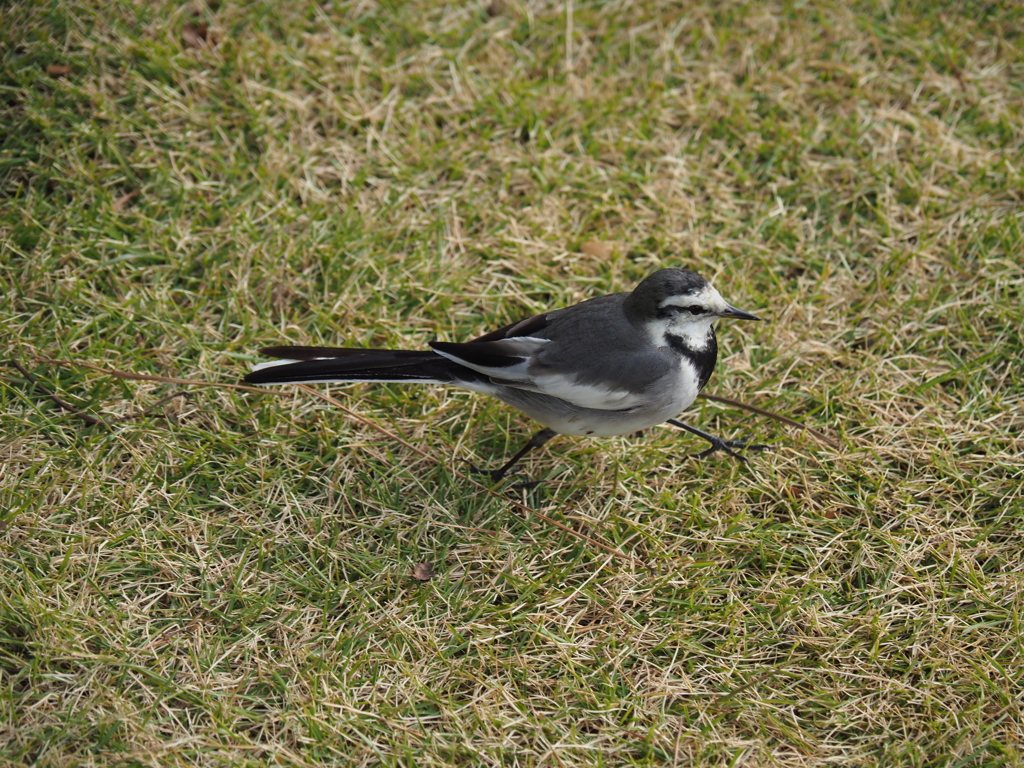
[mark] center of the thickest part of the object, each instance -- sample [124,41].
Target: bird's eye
[692,309]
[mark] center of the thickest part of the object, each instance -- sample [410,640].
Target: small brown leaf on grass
[496,8]
[197,36]
[123,200]
[58,70]
[598,248]
[423,572]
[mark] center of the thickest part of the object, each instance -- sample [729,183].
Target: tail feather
[336,364]
[319,353]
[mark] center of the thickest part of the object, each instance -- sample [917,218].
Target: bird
[611,365]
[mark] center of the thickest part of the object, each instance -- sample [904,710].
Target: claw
[721,445]
[496,475]
[717,443]
[534,442]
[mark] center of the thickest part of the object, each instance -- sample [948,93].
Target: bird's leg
[717,443]
[534,442]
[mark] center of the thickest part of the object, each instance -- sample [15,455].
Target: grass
[231,583]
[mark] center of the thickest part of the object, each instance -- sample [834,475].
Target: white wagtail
[608,366]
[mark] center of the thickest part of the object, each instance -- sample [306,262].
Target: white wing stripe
[524,348]
[588,395]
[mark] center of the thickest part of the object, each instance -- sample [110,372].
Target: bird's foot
[730,447]
[496,475]
[717,443]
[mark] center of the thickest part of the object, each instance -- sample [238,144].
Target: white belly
[678,394]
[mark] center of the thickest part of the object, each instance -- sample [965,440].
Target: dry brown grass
[232,584]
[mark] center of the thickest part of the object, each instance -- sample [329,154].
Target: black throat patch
[703,360]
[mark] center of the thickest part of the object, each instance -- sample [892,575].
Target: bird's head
[679,303]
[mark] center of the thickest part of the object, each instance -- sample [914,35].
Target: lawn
[228,578]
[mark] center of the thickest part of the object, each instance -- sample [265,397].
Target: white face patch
[693,329]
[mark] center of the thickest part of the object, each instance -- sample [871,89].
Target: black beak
[739,314]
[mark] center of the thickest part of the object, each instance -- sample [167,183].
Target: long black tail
[300,365]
